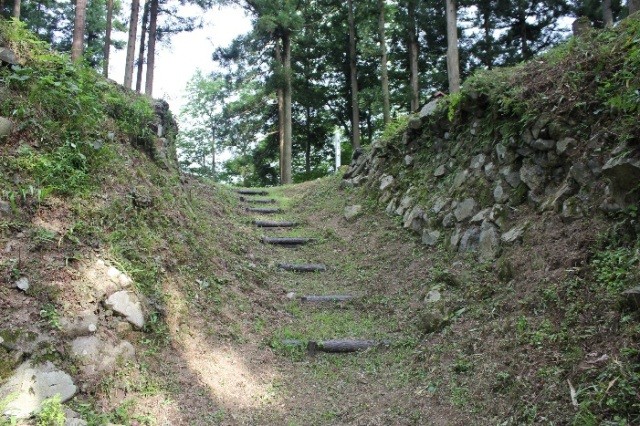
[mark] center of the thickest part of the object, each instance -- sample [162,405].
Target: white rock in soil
[127,305]
[352,212]
[385,182]
[23,284]
[98,356]
[30,385]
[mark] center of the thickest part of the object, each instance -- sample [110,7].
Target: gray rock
[539,130]
[490,171]
[413,219]
[499,193]
[543,144]
[461,177]
[439,204]
[97,356]
[624,175]
[501,153]
[405,204]
[433,296]
[408,160]
[440,171]
[526,136]
[488,242]
[449,220]
[514,234]
[415,123]
[481,216]
[631,298]
[565,145]
[84,323]
[572,208]
[429,108]
[454,241]
[75,422]
[498,215]
[465,209]
[23,284]
[5,208]
[524,151]
[391,207]
[30,385]
[385,182]
[352,212]
[430,237]
[532,175]
[511,176]
[8,57]
[478,161]
[470,239]
[581,173]
[127,305]
[6,127]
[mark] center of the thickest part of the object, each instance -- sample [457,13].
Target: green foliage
[50,315]
[51,412]
[395,128]
[616,268]
[454,102]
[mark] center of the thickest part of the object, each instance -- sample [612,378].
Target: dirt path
[370,259]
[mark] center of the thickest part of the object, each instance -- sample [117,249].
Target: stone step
[263,210]
[274,224]
[287,241]
[252,192]
[302,267]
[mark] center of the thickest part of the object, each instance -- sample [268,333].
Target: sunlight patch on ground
[225,372]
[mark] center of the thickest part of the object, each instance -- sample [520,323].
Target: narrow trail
[345,354]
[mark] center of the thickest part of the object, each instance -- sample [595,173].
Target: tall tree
[143,45]
[77,46]
[384,72]
[286,154]
[131,43]
[16,9]
[453,61]
[633,5]
[151,48]
[107,38]
[353,70]
[413,55]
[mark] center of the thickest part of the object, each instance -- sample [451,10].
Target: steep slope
[528,180]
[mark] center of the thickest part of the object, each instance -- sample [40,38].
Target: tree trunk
[302,267]
[413,57]
[286,157]
[488,42]
[252,192]
[280,100]
[131,43]
[384,72]
[453,62]
[287,241]
[213,154]
[77,45]
[151,49]
[143,36]
[16,9]
[107,38]
[307,146]
[633,5]
[607,14]
[355,109]
[274,224]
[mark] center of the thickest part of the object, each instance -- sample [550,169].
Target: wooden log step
[344,346]
[274,224]
[287,241]
[252,192]
[328,298]
[336,345]
[258,200]
[302,267]
[263,210]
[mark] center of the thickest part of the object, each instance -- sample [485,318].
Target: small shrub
[51,413]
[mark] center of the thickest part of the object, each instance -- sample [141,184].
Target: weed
[51,412]
[50,315]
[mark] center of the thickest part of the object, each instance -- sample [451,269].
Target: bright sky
[189,51]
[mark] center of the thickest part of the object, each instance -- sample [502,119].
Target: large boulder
[8,57]
[97,356]
[30,385]
[465,209]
